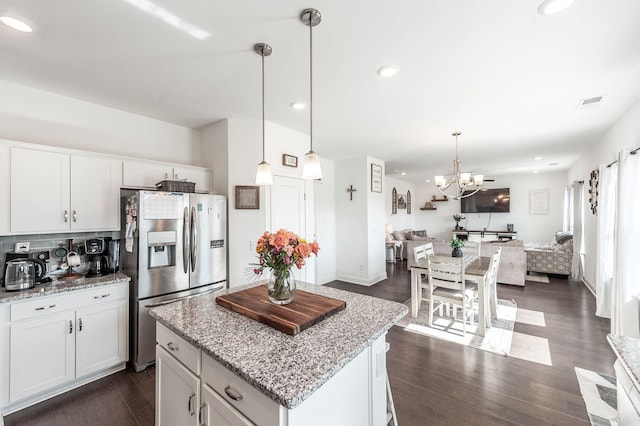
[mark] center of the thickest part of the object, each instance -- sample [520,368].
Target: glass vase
[281,287]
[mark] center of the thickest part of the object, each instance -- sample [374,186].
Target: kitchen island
[627,369]
[240,370]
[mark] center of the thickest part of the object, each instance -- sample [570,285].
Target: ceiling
[511,80]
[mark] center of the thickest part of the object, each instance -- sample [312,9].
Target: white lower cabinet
[177,392]
[42,354]
[356,395]
[59,341]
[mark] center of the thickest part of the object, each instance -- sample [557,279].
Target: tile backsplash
[49,242]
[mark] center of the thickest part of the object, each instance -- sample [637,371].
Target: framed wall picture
[247,197]
[289,160]
[408,202]
[376,178]
[402,202]
[394,201]
[539,201]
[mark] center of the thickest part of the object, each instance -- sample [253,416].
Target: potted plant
[457,245]
[458,218]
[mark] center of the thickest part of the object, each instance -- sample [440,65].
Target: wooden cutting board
[306,309]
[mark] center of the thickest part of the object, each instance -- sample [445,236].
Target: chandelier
[463,184]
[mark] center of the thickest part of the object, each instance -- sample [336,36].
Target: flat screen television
[486,201]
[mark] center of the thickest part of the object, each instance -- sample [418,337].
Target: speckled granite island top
[286,368]
[627,349]
[58,286]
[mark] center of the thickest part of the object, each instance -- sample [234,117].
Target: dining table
[476,270]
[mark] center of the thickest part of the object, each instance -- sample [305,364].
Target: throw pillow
[398,236]
[421,233]
[565,246]
[562,237]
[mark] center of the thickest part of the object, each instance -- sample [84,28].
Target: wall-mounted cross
[351,190]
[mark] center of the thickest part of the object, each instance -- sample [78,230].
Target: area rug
[497,338]
[600,397]
[537,277]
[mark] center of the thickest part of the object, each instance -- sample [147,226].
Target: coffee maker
[95,249]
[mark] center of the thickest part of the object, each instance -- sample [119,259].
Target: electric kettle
[22,274]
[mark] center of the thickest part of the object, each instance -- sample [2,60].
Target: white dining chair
[421,252]
[493,282]
[447,285]
[472,248]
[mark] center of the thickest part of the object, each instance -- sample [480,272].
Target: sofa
[513,262]
[554,258]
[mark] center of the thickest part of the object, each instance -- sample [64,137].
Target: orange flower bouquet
[279,252]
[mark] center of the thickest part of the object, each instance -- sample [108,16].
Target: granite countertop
[287,369]
[627,349]
[59,286]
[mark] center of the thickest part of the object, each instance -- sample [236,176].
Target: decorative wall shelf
[428,208]
[439,199]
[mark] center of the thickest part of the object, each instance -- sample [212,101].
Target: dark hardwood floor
[433,382]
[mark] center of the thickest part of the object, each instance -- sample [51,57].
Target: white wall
[360,224]
[530,228]
[624,134]
[325,201]
[401,220]
[35,116]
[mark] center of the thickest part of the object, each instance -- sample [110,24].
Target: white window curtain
[566,217]
[605,239]
[578,224]
[625,319]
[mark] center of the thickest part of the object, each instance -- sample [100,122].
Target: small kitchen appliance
[98,262]
[22,274]
[41,268]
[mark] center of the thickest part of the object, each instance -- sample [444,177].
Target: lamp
[312,168]
[462,180]
[388,229]
[263,174]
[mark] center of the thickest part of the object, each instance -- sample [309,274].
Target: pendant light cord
[263,144]
[310,82]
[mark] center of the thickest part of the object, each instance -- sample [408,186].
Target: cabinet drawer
[186,353]
[103,294]
[37,307]
[256,406]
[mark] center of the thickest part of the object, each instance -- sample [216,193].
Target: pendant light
[312,168]
[263,174]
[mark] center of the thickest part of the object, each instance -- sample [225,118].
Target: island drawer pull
[102,296]
[232,393]
[201,414]
[172,346]
[190,407]
[42,308]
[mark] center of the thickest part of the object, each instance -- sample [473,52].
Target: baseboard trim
[587,284]
[360,281]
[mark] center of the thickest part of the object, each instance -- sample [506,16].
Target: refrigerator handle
[185,240]
[177,299]
[194,238]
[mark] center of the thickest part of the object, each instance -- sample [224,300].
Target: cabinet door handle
[66,216]
[43,308]
[79,324]
[201,418]
[102,296]
[172,346]
[75,216]
[232,393]
[70,326]
[190,407]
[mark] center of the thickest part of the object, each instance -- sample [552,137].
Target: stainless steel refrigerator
[174,248]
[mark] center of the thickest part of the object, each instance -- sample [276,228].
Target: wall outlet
[360,268]
[22,247]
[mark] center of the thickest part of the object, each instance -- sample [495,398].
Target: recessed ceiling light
[387,71]
[551,7]
[298,105]
[537,157]
[535,171]
[553,164]
[16,24]
[427,181]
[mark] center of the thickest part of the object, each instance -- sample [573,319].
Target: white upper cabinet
[56,192]
[145,174]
